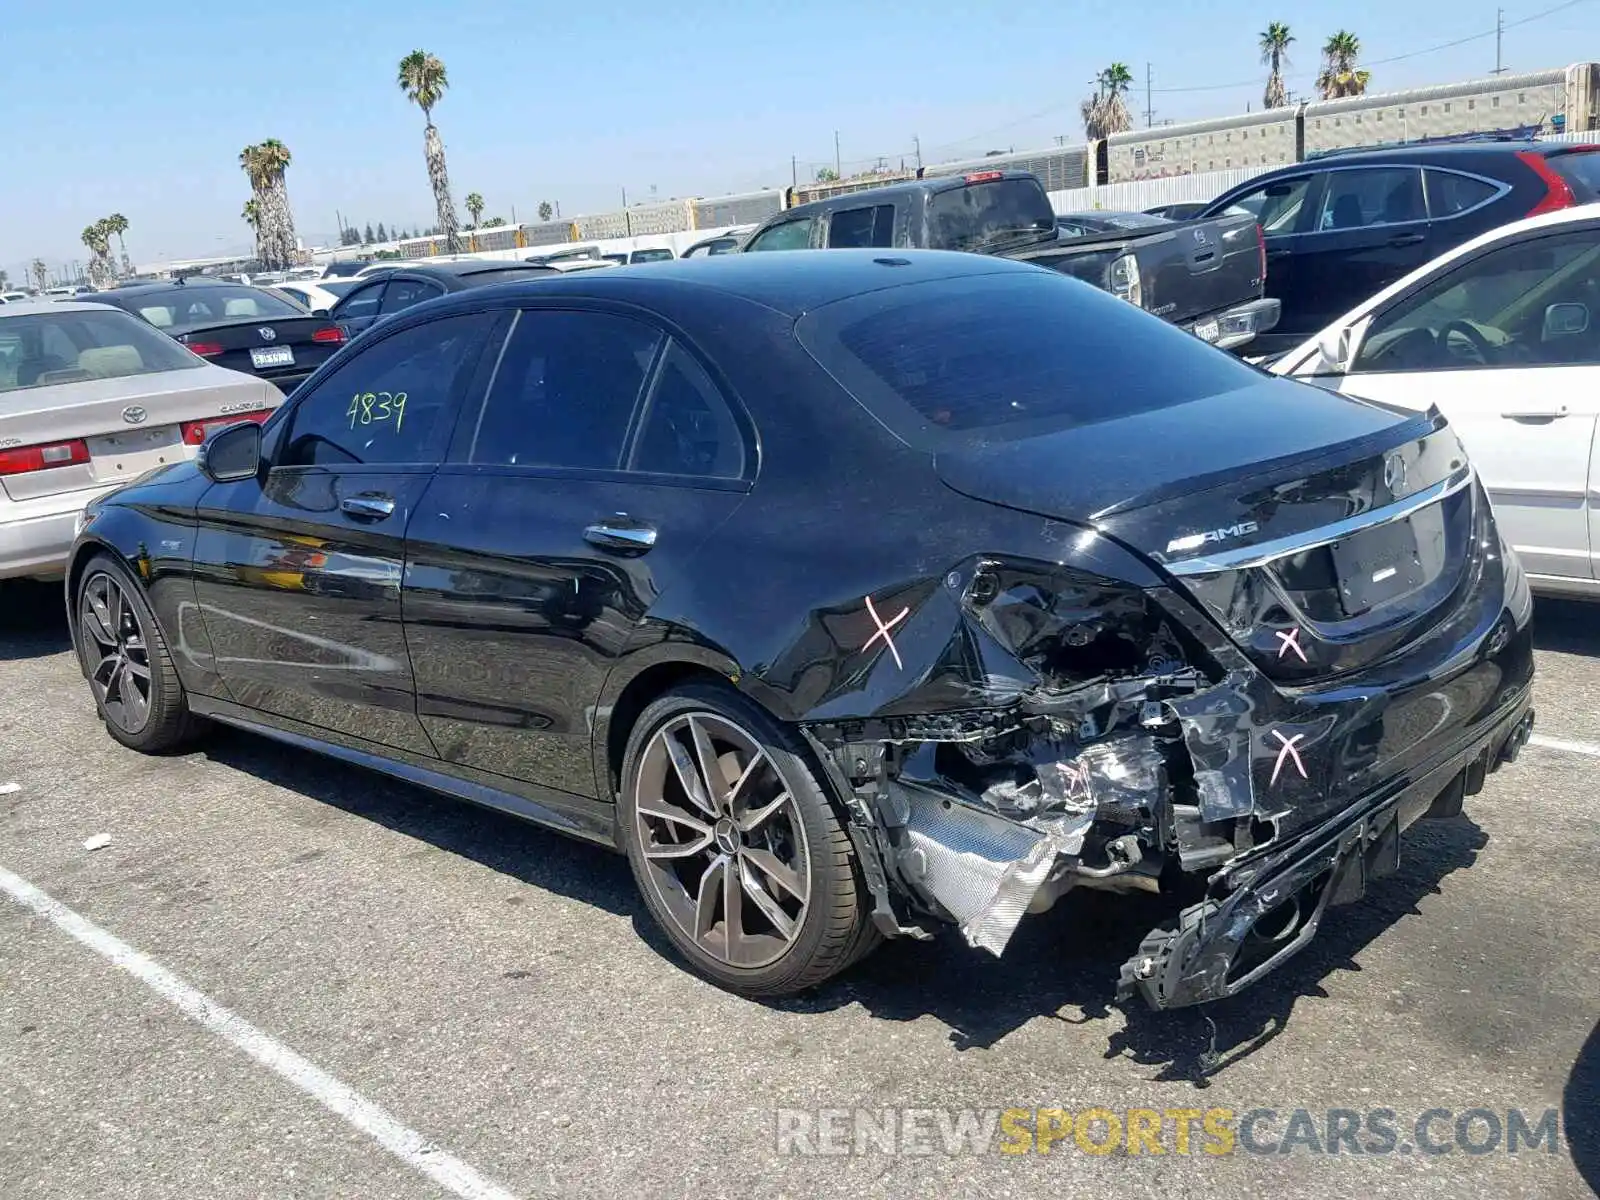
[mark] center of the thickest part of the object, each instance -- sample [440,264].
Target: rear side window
[862,227]
[791,235]
[1019,352]
[565,391]
[985,214]
[71,347]
[391,403]
[1367,196]
[1450,193]
[687,427]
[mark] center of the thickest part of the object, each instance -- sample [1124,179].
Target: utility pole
[794,170]
[1499,31]
[917,142]
[340,217]
[838,164]
[1149,98]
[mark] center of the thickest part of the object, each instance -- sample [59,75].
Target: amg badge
[1193,541]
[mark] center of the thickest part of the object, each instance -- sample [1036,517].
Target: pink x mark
[1291,641]
[1288,751]
[883,632]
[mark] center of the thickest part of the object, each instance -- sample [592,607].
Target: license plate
[273,356]
[1378,565]
[1206,331]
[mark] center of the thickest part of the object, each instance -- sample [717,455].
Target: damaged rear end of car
[1230,676]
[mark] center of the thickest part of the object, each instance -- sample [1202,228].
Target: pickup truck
[1203,276]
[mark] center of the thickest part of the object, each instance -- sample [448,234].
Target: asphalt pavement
[287,977]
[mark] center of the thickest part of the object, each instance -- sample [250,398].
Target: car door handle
[1544,414]
[622,533]
[368,506]
[1407,239]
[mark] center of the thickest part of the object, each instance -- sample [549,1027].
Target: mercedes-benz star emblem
[1394,474]
[268,334]
[134,415]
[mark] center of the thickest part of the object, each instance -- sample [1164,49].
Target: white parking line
[1549,743]
[409,1146]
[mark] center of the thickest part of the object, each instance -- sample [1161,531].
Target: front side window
[360,303]
[565,391]
[862,227]
[38,350]
[1276,206]
[791,235]
[403,293]
[1532,303]
[1367,196]
[392,403]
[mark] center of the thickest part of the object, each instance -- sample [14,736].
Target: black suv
[1341,227]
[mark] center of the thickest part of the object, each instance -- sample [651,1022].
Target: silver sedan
[90,399]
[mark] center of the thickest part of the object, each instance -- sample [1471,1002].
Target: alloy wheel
[723,844]
[115,641]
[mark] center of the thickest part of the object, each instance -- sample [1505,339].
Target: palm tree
[1339,75]
[251,216]
[41,273]
[267,163]
[98,238]
[1106,112]
[422,78]
[118,224]
[1274,42]
[474,204]
[545,210]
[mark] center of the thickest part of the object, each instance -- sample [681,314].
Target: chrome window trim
[1325,535]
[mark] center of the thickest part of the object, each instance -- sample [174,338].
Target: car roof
[166,285]
[1428,152]
[468,267]
[23,308]
[791,283]
[888,193]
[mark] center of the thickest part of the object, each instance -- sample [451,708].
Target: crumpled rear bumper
[1265,910]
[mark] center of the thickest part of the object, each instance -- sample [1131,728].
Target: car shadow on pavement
[1069,958]
[1566,626]
[1580,1108]
[33,620]
[578,870]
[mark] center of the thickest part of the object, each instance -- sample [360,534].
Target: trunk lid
[128,424]
[283,349]
[1320,536]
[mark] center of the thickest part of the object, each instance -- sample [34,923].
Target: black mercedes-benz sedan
[236,326]
[852,596]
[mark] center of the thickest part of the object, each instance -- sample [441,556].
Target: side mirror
[319,312]
[232,454]
[1334,347]
[1565,320]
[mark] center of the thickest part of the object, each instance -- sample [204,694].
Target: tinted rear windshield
[179,309]
[980,214]
[39,350]
[992,357]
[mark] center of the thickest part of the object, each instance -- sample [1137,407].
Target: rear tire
[762,841]
[124,655]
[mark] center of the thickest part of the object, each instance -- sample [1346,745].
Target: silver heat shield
[983,868]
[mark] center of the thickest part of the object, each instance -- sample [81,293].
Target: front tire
[124,654]
[740,856]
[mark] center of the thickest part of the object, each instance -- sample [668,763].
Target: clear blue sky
[110,106]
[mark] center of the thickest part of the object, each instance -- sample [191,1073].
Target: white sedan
[91,397]
[1503,334]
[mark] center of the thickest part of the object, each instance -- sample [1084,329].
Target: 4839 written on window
[392,402]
